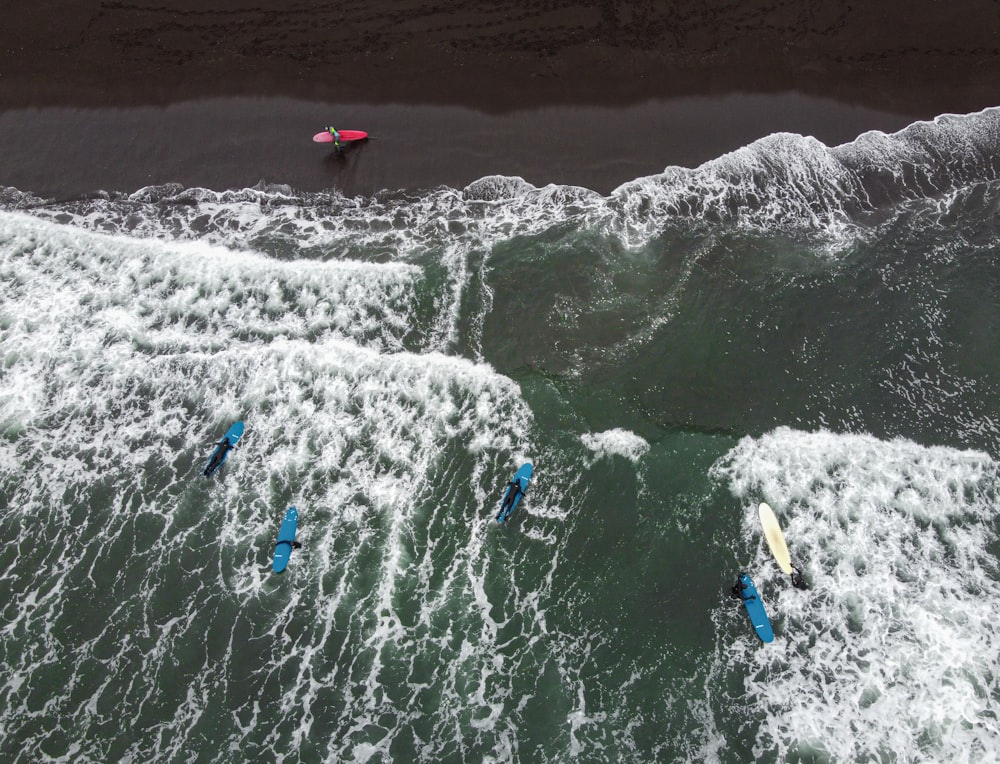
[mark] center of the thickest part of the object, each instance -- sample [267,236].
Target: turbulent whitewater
[809,326]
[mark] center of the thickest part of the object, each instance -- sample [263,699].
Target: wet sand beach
[117,95]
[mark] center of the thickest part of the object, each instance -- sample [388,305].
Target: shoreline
[114,95]
[235,143]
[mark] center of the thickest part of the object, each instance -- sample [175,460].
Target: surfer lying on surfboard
[512,494]
[223,447]
[738,592]
[745,590]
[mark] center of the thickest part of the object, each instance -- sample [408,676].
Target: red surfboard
[345,136]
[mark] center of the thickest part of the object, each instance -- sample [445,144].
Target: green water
[661,386]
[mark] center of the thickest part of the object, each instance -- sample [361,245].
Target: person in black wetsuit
[224,446]
[737,592]
[797,579]
[512,494]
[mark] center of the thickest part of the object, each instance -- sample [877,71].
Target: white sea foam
[893,653]
[126,358]
[792,182]
[783,181]
[616,442]
[327,325]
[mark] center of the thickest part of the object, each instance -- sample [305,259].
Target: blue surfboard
[223,447]
[755,608]
[514,493]
[286,536]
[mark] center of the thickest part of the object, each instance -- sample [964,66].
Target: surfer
[738,588]
[224,446]
[512,494]
[336,139]
[797,579]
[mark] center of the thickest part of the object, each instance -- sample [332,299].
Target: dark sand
[118,94]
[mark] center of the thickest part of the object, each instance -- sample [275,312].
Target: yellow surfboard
[775,538]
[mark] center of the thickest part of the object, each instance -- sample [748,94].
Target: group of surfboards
[286,535]
[745,590]
[512,495]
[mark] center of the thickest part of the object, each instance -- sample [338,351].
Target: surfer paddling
[739,589]
[223,447]
[515,492]
[512,494]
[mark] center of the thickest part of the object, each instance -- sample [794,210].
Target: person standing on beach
[336,138]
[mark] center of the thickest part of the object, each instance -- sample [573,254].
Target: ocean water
[810,326]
